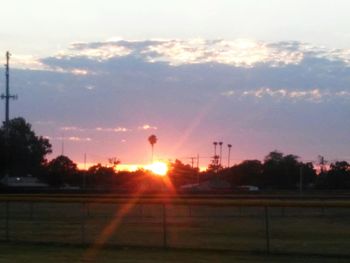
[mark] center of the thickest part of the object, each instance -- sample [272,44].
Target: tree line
[22,152]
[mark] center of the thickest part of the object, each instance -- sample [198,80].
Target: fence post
[267,229]
[7,219]
[165,243]
[82,222]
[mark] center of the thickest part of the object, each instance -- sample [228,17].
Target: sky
[104,75]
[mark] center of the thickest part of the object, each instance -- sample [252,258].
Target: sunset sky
[104,75]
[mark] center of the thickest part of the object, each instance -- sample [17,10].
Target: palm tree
[152,140]
[229,153]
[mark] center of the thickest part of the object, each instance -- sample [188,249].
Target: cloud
[69,138]
[312,95]
[90,87]
[147,127]
[245,53]
[117,129]
[98,51]
[97,129]
[262,92]
[72,128]
[79,139]
[343,93]
[238,53]
[28,62]
[25,62]
[79,71]
[84,59]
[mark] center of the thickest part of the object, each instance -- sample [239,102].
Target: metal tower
[7,96]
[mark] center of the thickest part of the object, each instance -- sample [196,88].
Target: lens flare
[158,168]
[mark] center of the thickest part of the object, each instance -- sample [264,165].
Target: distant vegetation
[22,152]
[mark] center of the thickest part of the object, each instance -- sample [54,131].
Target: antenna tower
[7,96]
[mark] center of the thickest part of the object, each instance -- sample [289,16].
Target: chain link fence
[310,227]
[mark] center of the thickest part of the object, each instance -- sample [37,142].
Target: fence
[277,226]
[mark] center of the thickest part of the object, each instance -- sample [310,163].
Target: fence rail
[214,201]
[301,226]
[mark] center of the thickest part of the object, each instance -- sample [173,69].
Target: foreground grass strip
[9,253]
[180,201]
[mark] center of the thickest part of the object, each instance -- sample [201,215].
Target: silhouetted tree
[309,175]
[21,151]
[101,177]
[181,174]
[337,177]
[140,181]
[322,162]
[215,166]
[62,170]
[246,173]
[280,171]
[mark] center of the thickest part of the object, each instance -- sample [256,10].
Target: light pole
[220,143]
[215,144]
[215,155]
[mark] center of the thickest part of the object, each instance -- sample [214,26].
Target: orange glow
[119,167]
[131,167]
[128,167]
[83,166]
[158,168]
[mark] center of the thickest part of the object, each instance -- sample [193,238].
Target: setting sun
[158,168]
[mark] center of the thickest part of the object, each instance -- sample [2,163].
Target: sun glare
[158,168]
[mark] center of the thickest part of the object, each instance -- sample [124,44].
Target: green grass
[292,230]
[20,253]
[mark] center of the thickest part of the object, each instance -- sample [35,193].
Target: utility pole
[192,161]
[84,174]
[7,96]
[198,168]
[62,144]
[215,158]
[229,155]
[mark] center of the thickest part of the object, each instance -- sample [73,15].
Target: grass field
[318,231]
[19,253]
